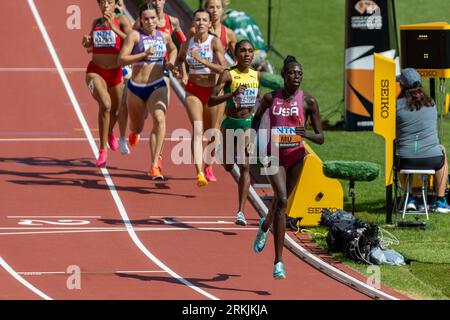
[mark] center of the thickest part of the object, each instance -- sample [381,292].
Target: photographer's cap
[410,78]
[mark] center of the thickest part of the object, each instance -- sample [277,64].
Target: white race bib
[104,39]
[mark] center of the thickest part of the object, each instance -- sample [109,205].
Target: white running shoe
[123,146]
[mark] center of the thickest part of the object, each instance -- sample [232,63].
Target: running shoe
[160,162]
[209,174]
[112,142]
[261,238]
[101,161]
[133,138]
[411,205]
[201,180]
[278,271]
[240,219]
[442,206]
[155,173]
[123,146]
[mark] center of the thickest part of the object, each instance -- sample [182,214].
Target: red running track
[57,210]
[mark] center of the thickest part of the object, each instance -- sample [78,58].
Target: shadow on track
[198,282]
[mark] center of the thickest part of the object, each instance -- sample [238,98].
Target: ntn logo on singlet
[286,136]
[104,38]
[159,44]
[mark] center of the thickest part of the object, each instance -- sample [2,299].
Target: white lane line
[46,273]
[56,217]
[94,148]
[22,280]
[197,222]
[124,230]
[41,69]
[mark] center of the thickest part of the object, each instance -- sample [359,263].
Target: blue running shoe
[442,206]
[278,271]
[240,219]
[261,238]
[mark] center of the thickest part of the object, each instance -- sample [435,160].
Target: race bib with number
[104,39]
[286,137]
[160,50]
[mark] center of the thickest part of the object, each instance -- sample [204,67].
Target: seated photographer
[417,138]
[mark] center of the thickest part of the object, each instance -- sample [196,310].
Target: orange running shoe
[201,180]
[155,173]
[133,138]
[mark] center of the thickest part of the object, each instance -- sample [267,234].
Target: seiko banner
[370,28]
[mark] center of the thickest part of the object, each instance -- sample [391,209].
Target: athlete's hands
[196,55]
[300,131]
[109,16]
[87,41]
[184,80]
[173,69]
[150,51]
[239,90]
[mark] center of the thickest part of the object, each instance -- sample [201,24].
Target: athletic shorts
[200,92]
[288,158]
[112,77]
[433,163]
[144,91]
[237,123]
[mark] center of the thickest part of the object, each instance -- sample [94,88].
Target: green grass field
[313,31]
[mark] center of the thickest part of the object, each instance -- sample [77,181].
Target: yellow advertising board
[384,116]
[384,108]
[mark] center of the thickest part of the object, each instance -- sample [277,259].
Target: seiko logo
[428,73]
[285,112]
[316,210]
[385,99]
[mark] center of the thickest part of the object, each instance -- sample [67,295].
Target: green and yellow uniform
[246,100]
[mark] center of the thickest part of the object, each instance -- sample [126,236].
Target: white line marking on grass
[112,188]
[22,280]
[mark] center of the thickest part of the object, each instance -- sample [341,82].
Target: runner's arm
[266,102]
[312,111]
[125,57]
[172,52]
[217,96]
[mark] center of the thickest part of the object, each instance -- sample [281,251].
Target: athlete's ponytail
[288,61]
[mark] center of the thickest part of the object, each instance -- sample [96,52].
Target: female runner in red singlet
[104,74]
[289,109]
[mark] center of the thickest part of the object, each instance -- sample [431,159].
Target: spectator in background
[245,27]
[417,138]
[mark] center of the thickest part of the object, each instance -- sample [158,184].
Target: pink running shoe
[101,161]
[113,143]
[209,175]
